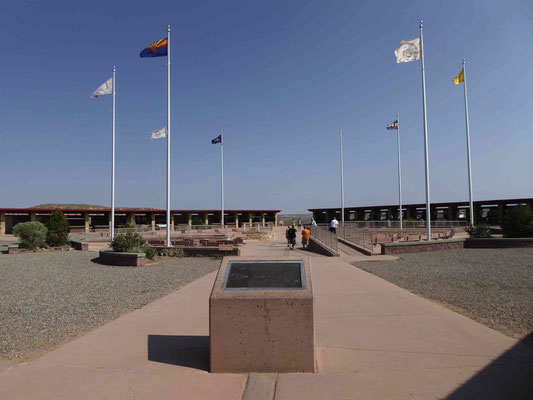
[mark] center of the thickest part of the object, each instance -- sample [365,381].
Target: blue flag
[216,140]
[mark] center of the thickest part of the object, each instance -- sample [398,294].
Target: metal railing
[388,224]
[326,238]
[351,233]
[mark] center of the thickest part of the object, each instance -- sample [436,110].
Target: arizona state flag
[392,125]
[156,49]
[460,77]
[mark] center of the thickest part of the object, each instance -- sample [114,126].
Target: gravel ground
[47,298]
[491,286]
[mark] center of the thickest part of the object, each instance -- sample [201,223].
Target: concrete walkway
[374,341]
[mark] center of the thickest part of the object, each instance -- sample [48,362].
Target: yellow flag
[460,77]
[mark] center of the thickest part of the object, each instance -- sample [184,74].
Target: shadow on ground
[186,351]
[510,376]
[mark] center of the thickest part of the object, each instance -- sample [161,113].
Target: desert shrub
[58,228]
[478,231]
[518,223]
[129,243]
[150,252]
[133,243]
[173,252]
[32,235]
[130,223]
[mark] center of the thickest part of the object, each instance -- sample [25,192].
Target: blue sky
[280,77]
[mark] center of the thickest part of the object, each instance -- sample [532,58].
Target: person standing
[333,226]
[299,223]
[305,237]
[287,236]
[292,237]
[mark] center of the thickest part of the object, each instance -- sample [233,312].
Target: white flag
[105,88]
[408,50]
[158,134]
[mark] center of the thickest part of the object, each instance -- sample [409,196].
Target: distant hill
[69,206]
[84,206]
[306,218]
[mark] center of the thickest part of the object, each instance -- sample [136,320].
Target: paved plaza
[374,340]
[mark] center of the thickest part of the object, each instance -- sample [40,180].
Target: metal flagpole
[113,165]
[468,149]
[168,137]
[222,175]
[426,158]
[342,182]
[399,171]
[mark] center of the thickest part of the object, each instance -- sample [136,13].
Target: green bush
[173,252]
[197,221]
[478,231]
[128,243]
[130,223]
[58,229]
[518,223]
[132,243]
[150,252]
[32,235]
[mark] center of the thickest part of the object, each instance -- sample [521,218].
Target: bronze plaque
[265,275]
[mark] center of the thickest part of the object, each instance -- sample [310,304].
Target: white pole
[222,175]
[426,156]
[342,182]
[468,149]
[168,137]
[399,172]
[113,164]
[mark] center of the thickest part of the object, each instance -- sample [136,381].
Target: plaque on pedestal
[261,316]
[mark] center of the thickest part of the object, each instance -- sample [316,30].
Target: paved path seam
[260,386]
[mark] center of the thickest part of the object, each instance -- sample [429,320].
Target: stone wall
[417,247]
[470,243]
[205,251]
[498,243]
[121,259]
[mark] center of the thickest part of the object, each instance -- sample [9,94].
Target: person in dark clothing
[292,237]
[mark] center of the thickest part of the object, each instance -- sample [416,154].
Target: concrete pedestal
[261,329]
